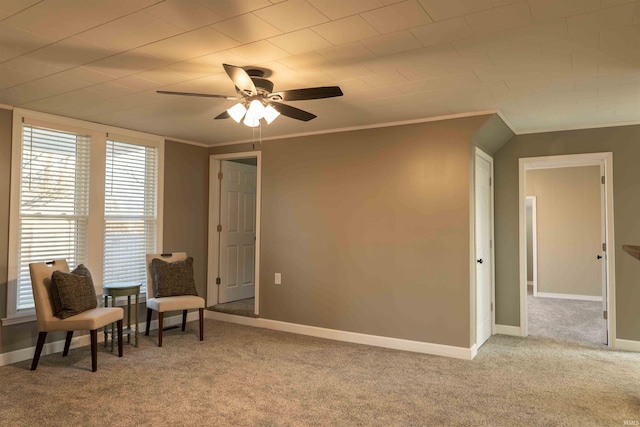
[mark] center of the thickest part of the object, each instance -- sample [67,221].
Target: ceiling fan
[257,101]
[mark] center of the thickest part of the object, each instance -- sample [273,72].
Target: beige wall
[622,141]
[568,229]
[185,221]
[492,135]
[370,231]
[186,205]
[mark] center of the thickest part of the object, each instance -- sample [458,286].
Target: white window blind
[54,202]
[129,211]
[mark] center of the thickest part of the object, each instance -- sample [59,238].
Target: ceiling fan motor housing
[263,86]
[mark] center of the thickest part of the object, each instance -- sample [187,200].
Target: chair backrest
[41,273]
[176,256]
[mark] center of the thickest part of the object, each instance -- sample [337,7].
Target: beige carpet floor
[243,376]
[567,320]
[243,307]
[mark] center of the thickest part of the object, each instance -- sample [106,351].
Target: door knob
[479,261]
[599,257]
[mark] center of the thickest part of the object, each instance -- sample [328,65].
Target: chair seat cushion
[183,302]
[73,293]
[173,278]
[87,320]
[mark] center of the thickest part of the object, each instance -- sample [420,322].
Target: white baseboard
[352,337]
[569,296]
[474,351]
[627,345]
[83,340]
[507,330]
[49,348]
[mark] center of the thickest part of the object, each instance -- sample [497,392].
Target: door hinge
[604,247]
[219,228]
[490,244]
[489,180]
[604,314]
[217,280]
[220,176]
[602,179]
[491,306]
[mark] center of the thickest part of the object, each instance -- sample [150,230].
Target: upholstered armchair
[156,301]
[90,320]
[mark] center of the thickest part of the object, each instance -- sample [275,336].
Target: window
[85,192]
[54,203]
[129,211]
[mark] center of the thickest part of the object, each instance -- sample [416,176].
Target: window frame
[116,139]
[99,135]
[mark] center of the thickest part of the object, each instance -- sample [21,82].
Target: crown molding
[585,127]
[186,141]
[364,127]
[507,122]
[6,107]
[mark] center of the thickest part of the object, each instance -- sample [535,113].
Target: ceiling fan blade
[308,93]
[241,79]
[223,115]
[293,112]
[205,95]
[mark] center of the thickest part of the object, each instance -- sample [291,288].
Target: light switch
[278,279]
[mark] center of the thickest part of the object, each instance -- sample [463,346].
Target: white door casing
[483,251]
[605,160]
[238,231]
[603,239]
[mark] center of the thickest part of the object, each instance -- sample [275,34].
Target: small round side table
[122,289]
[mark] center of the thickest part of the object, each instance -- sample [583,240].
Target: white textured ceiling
[544,64]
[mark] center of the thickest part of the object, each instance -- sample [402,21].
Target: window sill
[17,319]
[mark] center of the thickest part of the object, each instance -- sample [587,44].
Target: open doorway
[234,234]
[566,227]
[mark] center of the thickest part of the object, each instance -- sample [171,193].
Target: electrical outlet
[278,279]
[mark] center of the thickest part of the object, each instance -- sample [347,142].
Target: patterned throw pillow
[72,293]
[173,278]
[80,270]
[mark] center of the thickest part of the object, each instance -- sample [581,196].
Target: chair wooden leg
[184,320]
[67,343]
[160,319]
[201,316]
[36,357]
[94,350]
[149,311]
[120,344]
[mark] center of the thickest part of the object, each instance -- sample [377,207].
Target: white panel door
[483,250]
[238,235]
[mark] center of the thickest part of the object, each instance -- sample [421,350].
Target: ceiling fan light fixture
[256,110]
[252,122]
[270,114]
[237,112]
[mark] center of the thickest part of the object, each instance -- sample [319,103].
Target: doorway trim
[213,240]
[534,244]
[480,153]
[573,160]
